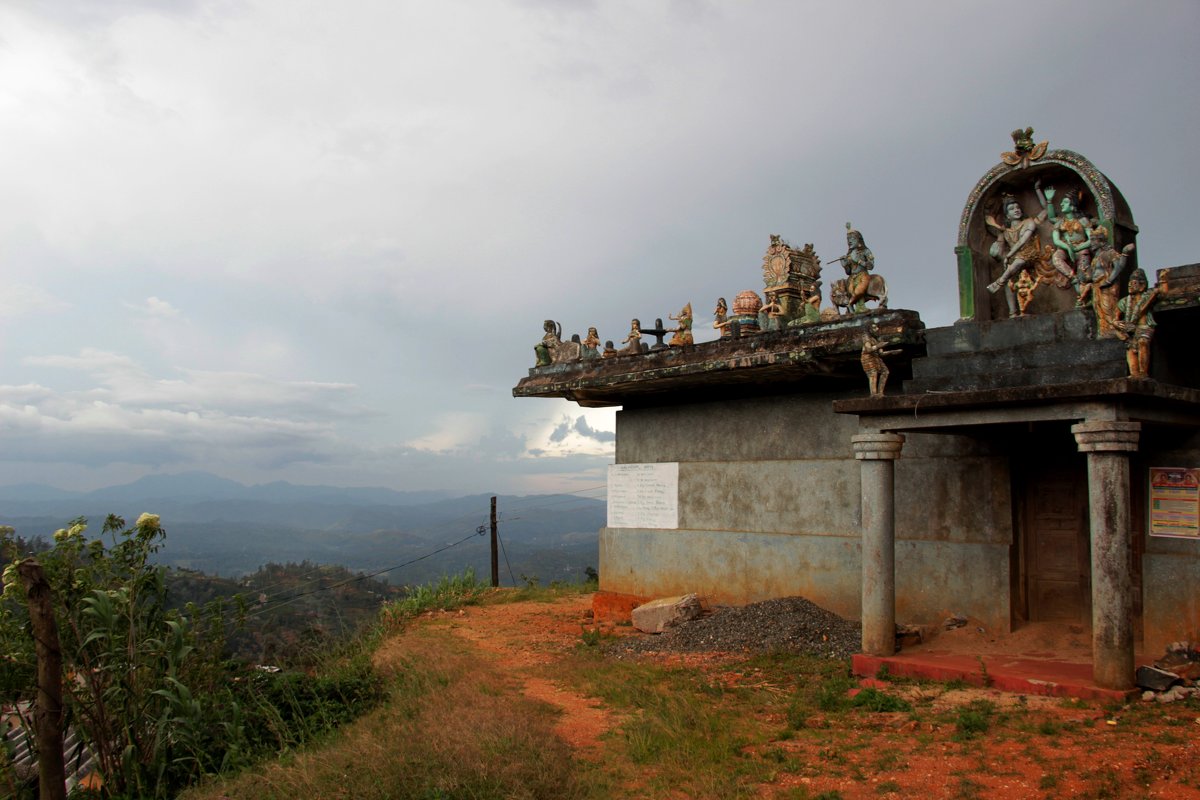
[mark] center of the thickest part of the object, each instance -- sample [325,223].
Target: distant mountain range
[224,527]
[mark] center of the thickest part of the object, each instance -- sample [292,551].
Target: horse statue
[875,289]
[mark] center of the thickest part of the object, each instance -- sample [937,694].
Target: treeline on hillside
[287,614]
[146,681]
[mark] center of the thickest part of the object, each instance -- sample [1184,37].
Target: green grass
[449,593]
[973,719]
[451,727]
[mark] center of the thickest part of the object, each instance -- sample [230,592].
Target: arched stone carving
[1067,172]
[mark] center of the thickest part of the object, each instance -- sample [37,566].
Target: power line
[503,550]
[364,576]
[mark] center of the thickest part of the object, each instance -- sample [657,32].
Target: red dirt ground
[1074,750]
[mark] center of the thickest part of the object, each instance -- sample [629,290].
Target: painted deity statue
[683,333]
[546,349]
[1026,285]
[1100,285]
[633,341]
[858,263]
[721,316]
[1072,235]
[872,361]
[591,345]
[1136,324]
[771,312]
[1016,247]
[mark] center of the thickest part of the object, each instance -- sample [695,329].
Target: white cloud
[452,431]
[154,308]
[22,300]
[130,415]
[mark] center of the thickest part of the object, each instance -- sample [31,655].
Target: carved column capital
[1107,436]
[877,446]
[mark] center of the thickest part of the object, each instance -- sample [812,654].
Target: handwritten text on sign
[643,495]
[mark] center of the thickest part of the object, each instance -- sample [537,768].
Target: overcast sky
[316,241]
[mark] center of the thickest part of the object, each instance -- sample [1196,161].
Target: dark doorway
[1054,561]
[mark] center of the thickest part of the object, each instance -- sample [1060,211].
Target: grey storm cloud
[235,236]
[580,426]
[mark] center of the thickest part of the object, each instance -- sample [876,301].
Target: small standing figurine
[721,317]
[1025,286]
[1136,324]
[591,345]
[872,361]
[683,333]
[609,350]
[546,349]
[634,339]
[1101,284]
[770,313]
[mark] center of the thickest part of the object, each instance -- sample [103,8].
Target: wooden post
[48,710]
[495,555]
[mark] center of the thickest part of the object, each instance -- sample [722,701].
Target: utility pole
[495,555]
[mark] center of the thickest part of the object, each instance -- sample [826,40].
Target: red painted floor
[1011,673]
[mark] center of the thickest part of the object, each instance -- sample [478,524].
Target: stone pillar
[876,453]
[1108,444]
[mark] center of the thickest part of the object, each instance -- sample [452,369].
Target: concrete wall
[1170,567]
[769,506]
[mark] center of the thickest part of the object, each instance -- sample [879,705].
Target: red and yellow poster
[1175,502]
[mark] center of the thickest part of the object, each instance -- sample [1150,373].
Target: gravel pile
[788,624]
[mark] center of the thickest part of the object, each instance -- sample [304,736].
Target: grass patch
[973,719]
[451,728]
[449,593]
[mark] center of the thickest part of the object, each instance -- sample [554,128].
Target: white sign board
[643,495]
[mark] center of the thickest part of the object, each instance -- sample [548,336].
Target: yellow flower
[148,521]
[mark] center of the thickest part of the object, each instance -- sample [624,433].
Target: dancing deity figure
[683,333]
[1016,247]
[1072,236]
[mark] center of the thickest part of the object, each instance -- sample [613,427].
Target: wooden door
[1057,558]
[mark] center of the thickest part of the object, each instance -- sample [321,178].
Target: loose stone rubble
[788,624]
[1174,676]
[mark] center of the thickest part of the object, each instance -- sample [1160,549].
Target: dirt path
[527,637]
[1037,747]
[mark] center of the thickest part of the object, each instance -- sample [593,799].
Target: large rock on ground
[658,615]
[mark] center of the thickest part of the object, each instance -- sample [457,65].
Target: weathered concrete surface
[735,568]
[1032,350]
[1170,600]
[812,497]
[937,579]
[760,479]
[1108,444]
[775,428]
[663,612]
[967,499]
[732,568]
[805,357]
